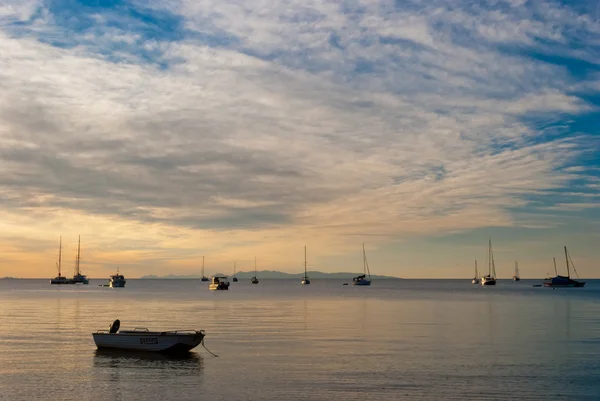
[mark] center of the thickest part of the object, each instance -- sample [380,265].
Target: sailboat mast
[490,259]
[78,256]
[475,268]
[59,255]
[493,263]
[567,259]
[555,271]
[364,260]
[305,261]
[366,263]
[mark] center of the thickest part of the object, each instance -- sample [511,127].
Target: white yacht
[490,279]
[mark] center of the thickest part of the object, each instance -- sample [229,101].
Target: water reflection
[138,375]
[190,362]
[411,342]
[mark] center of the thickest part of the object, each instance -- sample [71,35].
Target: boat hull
[362,282]
[218,287]
[516,278]
[167,342]
[117,284]
[568,285]
[563,282]
[60,280]
[219,284]
[305,281]
[80,279]
[475,281]
[488,281]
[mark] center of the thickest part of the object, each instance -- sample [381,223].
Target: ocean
[279,340]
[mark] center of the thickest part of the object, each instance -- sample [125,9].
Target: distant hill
[273,274]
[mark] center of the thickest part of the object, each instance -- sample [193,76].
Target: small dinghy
[142,339]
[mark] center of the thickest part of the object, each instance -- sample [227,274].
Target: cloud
[309,119]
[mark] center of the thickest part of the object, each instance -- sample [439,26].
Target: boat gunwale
[185,332]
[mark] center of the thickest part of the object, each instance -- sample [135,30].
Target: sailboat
[305,279]
[562,281]
[516,277]
[362,279]
[490,279]
[254,280]
[204,278]
[235,279]
[78,277]
[476,278]
[60,279]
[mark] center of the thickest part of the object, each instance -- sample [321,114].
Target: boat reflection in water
[114,371]
[142,359]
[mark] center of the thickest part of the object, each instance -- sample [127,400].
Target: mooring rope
[213,354]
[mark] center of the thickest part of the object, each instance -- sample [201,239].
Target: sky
[164,131]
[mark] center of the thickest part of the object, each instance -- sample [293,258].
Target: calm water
[396,340]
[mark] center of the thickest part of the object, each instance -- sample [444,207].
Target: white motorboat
[117,280]
[219,283]
[142,339]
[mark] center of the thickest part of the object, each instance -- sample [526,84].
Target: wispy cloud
[296,120]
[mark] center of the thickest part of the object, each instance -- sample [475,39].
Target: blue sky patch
[116,30]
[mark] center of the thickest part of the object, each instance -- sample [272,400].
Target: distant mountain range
[273,274]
